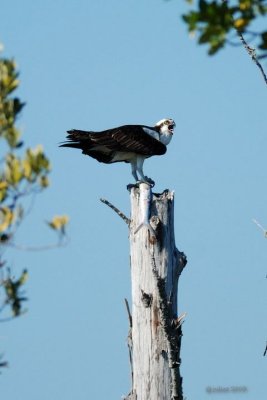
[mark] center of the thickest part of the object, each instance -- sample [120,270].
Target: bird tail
[75,135]
[71,144]
[76,139]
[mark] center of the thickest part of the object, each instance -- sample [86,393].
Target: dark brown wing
[133,138]
[127,138]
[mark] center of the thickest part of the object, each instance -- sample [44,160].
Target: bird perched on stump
[128,143]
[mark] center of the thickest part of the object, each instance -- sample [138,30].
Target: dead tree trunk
[155,335]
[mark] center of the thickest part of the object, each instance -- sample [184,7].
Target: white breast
[165,138]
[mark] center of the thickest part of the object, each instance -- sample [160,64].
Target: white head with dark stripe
[165,127]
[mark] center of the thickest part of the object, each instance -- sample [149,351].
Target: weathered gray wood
[156,330]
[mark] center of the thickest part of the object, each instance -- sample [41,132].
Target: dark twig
[252,52]
[8,319]
[233,44]
[252,36]
[117,211]
[3,363]
[262,56]
[253,33]
[38,248]
[129,313]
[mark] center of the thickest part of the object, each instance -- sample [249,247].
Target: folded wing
[126,139]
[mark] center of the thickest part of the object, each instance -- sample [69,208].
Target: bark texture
[155,335]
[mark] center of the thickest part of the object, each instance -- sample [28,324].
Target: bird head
[165,127]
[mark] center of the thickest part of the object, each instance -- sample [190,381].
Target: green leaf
[13,172]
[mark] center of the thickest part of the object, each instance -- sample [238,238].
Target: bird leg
[134,173]
[137,166]
[145,179]
[149,181]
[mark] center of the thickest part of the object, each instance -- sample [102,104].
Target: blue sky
[93,65]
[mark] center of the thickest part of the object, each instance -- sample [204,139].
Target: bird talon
[150,181]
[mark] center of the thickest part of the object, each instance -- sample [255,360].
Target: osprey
[127,143]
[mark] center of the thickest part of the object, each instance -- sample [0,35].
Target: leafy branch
[213,21]
[23,175]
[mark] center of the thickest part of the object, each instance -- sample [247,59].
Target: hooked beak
[171,127]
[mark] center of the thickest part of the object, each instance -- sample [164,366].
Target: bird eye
[166,122]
